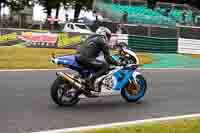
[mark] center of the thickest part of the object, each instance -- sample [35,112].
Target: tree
[17,5]
[48,5]
[195,3]
[52,4]
[78,6]
[151,4]
[55,4]
[2,4]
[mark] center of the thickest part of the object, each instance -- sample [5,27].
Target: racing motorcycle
[70,85]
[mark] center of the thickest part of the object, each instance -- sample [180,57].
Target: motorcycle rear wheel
[63,94]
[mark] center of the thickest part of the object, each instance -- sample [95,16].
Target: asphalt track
[26,106]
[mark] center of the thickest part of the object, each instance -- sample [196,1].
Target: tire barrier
[41,45]
[40,39]
[48,40]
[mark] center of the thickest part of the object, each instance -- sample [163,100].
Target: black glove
[118,63]
[121,64]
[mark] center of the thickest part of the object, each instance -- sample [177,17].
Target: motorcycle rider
[91,49]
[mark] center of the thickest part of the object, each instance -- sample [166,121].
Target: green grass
[20,57]
[40,31]
[195,56]
[179,126]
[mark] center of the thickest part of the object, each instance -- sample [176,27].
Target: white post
[149,30]
[93,6]
[40,25]
[0,14]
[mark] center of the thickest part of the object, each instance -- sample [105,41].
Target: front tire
[141,90]
[60,89]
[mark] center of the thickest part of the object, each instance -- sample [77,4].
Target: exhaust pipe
[71,80]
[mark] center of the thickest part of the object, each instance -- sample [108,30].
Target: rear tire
[60,89]
[141,92]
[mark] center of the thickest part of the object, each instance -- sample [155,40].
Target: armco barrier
[189,46]
[151,44]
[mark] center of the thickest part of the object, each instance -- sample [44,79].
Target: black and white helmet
[104,32]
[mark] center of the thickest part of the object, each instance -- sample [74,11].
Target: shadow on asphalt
[101,103]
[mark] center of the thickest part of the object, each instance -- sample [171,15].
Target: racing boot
[90,87]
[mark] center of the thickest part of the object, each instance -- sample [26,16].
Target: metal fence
[192,32]
[182,31]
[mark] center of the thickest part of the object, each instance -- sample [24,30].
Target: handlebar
[125,63]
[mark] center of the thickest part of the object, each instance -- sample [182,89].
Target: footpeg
[91,95]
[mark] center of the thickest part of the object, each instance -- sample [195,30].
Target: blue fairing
[69,61]
[115,57]
[122,78]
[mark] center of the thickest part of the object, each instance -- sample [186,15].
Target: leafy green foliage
[195,3]
[17,5]
[151,4]
[55,4]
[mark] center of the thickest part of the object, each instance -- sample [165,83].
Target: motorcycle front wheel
[63,94]
[133,92]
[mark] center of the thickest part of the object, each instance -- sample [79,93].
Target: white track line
[67,130]
[28,70]
[121,124]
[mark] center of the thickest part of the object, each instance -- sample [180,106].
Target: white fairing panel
[135,74]
[132,54]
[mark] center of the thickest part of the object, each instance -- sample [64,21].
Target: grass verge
[40,31]
[145,58]
[179,126]
[28,58]
[19,57]
[195,56]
